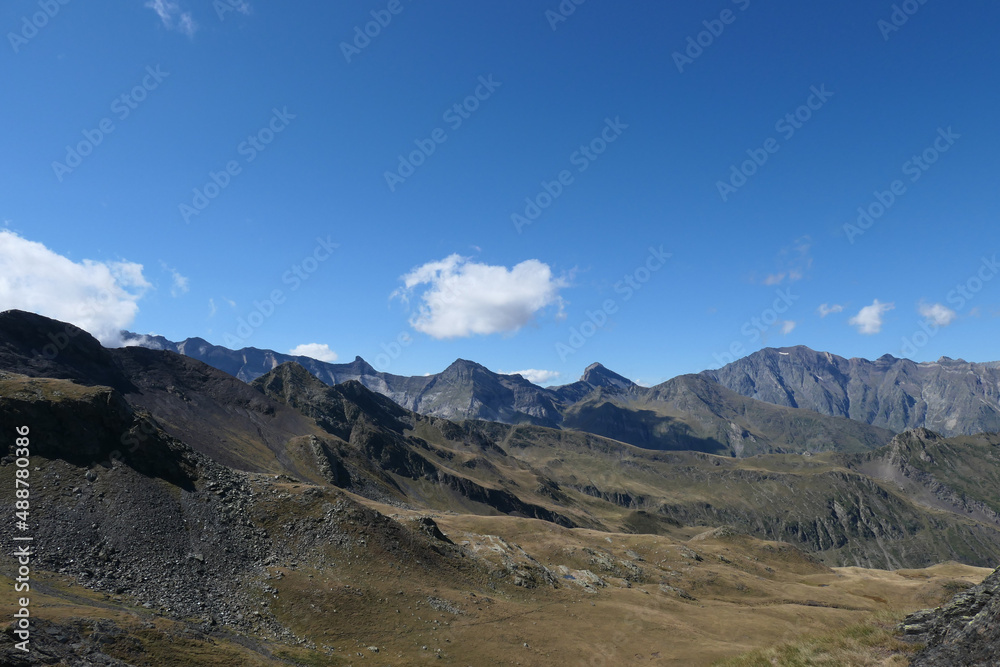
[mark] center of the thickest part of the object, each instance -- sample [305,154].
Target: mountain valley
[182,515]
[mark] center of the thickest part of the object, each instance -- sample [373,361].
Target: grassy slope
[747,595]
[847,518]
[691,412]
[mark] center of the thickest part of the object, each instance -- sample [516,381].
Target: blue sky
[612,117]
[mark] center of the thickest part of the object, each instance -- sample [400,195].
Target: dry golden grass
[756,603]
[873,642]
[750,602]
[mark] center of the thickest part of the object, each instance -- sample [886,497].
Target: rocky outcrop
[948,396]
[965,631]
[955,475]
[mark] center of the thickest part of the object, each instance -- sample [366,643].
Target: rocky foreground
[966,631]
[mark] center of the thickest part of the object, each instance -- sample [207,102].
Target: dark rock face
[948,396]
[62,644]
[966,631]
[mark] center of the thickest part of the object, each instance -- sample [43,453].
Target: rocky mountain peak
[599,376]
[463,367]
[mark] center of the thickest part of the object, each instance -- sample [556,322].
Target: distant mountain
[691,412]
[951,397]
[686,413]
[249,363]
[594,377]
[464,390]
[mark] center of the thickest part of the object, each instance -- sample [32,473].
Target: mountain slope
[692,412]
[378,432]
[465,390]
[684,413]
[959,474]
[949,397]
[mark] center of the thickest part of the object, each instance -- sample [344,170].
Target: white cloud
[465,298]
[937,313]
[212,309]
[180,284]
[172,16]
[99,297]
[787,327]
[536,376]
[826,309]
[869,319]
[142,340]
[321,352]
[774,279]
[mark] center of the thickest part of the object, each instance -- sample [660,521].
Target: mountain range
[288,422]
[186,516]
[948,396]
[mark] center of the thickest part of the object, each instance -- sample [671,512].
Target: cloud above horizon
[318,351]
[179,284]
[826,309]
[459,298]
[535,376]
[99,297]
[937,313]
[869,319]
